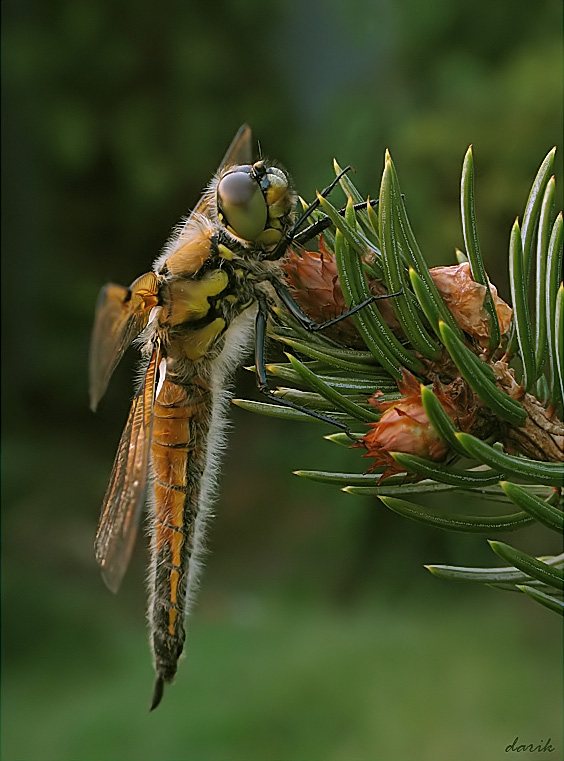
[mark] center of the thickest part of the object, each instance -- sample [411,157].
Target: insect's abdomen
[180,428]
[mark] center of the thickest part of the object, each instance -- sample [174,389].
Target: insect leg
[295,310]
[262,381]
[322,224]
[315,204]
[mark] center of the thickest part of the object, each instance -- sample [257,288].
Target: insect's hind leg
[262,380]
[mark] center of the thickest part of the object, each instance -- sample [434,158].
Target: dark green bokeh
[317,634]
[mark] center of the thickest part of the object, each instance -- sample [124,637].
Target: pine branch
[442,371]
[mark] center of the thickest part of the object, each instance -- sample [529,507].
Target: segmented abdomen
[180,429]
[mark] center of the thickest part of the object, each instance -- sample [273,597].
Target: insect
[192,317]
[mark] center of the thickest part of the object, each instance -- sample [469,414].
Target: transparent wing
[121,314]
[123,501]
[239,152]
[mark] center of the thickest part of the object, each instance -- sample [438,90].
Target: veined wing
[123,501]
[239,152]
[121,314]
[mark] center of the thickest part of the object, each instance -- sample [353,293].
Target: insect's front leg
[304,236]
[295,310]
[261,377]
[316,228]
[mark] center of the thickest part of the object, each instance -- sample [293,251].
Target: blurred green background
[318,634]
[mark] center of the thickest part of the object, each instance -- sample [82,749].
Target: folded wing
[124,498]
[121,314]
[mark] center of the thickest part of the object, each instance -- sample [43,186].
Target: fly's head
[255,204]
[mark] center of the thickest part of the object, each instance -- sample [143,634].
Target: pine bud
[465,299]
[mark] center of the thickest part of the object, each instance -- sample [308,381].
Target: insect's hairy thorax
[204,286]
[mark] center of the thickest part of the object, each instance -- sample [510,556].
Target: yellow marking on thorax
[198,342]
[189,298]
[224,252]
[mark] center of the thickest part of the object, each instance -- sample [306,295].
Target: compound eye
[241,203]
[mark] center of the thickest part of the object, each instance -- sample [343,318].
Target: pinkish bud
[465,299]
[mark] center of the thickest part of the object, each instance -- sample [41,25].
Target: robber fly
[192,317]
